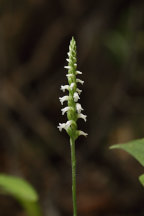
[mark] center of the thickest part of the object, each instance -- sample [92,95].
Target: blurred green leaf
[18,187]
[22,191]
[135,148]
[141,179]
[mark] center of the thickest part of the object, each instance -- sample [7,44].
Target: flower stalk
[73,111]
[73,164]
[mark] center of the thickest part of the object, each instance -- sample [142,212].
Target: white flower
[75,64]
[68,124]
[68,54]
[82,116]
[64,125]
[68,60]
[65,110]
[78,72]
[61,126]
[76,97]
[67,67]
[65,87]
[72,85]
[69,75]
[64,98]
[82,133]
[79,107]
[78,91]
[80,81]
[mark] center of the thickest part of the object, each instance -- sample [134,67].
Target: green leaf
[18,187]
[22,191]
[141,179]
[135,148]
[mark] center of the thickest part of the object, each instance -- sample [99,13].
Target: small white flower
[68,124]
[65,110]
[67,67]
[65,87]
[68,54]
[68,60]
[75,64]
[78,72]
[80,81]
[69,75]
[82,116]
[79,107]
[64,125]
[72,85]
[64,98]
[61,126]
[78,91]
[76,97]
[82,133]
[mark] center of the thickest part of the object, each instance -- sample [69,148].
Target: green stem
[73,164]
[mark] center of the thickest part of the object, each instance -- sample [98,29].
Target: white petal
[78,91]
[79,107]
[80,81]
[80,115]
[61,126]
[82,133]
[68,54]
[78,72]
[67,67]
[64,98]
[72,85]
[76,97]
[64,125]
[69,75]
[68,124]
[65,87]
[68,60]
[65,110]
[75,64]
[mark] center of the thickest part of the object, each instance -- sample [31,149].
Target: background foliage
[34,38]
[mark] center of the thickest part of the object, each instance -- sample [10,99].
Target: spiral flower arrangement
[73,108]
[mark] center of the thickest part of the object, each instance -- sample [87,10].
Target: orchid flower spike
[73,108]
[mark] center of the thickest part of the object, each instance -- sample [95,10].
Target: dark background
[34,40]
